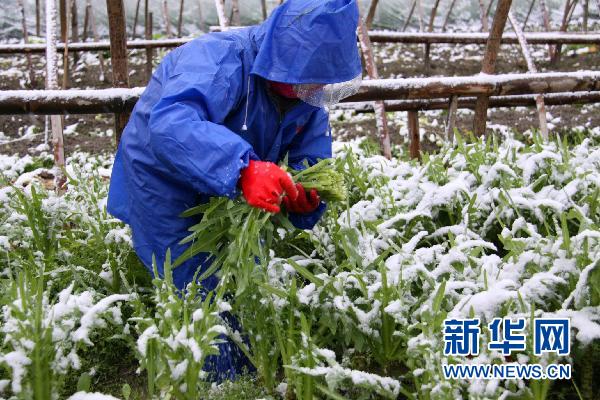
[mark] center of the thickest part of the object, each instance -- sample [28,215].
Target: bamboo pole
[220,5]
[522,100]
[447,17]
[451,118]
[149,51]
[568,13]
[263,7]
[586,11]
[86,22]
[489,8]
[371,13]
[32,82]
[541,38]
[541,107]
[414,135]
[235,13]
[64,35]
[201,17]
[167,19]
[94,101]
[483,16]
[489,62]
[430,29]
[52,83]
[95,35]
[38,28]
[74,28]
[180,21]
[420,11]
[146,10]
[528,14]
[135,19]
[118,54]
[410,14]
[546,22]
[380,117]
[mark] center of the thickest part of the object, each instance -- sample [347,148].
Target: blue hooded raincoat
[185,139]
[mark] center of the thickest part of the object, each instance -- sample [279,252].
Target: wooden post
[451,118]
[167,19]
[118,54]
[52,83]
[380,117]
[483,16]
[263,7]
[32,82]
[149,51]
[220,5]
[546,21]
[528,14]
[539,100]
[180,21]
[414,135]
[489,62]
[430,29]
[74,28]
[37,18]
[371,13]
[135,19]
[444,26]
[235,12]
[96,38]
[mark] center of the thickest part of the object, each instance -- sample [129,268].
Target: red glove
[264,183]
[304,203]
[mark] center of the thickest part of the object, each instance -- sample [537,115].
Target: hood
[309,41]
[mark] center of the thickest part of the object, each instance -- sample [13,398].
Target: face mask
[326,95]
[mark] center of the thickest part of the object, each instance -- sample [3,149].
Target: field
[351,309]
[495,229]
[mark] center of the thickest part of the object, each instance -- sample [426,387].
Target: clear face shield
[327,95]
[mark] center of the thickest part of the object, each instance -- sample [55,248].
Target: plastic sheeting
[391,14]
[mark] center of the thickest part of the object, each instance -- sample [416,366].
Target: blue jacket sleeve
[312,145]
[202,84]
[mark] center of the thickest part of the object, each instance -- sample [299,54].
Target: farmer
[216,117]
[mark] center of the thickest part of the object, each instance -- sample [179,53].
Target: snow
[481,37]
[18,362]
[81,95]
[485,82]
[90,319]
[91,396]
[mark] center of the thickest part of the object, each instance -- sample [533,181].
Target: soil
[93,132]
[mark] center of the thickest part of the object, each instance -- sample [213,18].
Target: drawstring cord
[245,127]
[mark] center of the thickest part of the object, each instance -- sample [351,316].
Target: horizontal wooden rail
[376,36]
[117,100]
[90,46]
[481,37]
[72,101]
[481,84]
[527,100]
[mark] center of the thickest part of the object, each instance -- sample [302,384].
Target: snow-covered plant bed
[354,308]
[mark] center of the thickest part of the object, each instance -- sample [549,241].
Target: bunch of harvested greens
[237,234]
